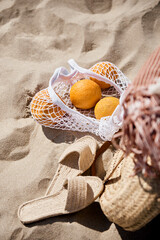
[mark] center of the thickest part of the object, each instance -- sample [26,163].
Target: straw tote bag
[129,200]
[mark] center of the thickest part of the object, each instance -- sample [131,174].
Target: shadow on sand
[91,217]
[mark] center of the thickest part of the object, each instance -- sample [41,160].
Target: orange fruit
[105,107]
[43,109]
[85,94]
[105,69]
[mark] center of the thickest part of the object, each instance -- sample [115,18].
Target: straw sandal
[129,200]
[75,160]
[76,194]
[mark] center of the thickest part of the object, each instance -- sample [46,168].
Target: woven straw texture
[77,193]
[130,201]
[74,161]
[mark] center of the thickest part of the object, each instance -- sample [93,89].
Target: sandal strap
[77,193]
[86,156]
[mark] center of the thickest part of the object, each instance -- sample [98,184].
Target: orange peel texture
[105,69]
[44,111]
[105,107]
[84,94]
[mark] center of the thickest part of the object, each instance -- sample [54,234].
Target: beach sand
[36,37]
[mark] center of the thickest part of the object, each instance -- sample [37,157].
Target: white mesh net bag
[52,107]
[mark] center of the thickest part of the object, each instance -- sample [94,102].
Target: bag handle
[101,150]
[74,66]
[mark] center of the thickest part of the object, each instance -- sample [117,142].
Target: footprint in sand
[150,20]
[17,234]
[14,139]
[100,6]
